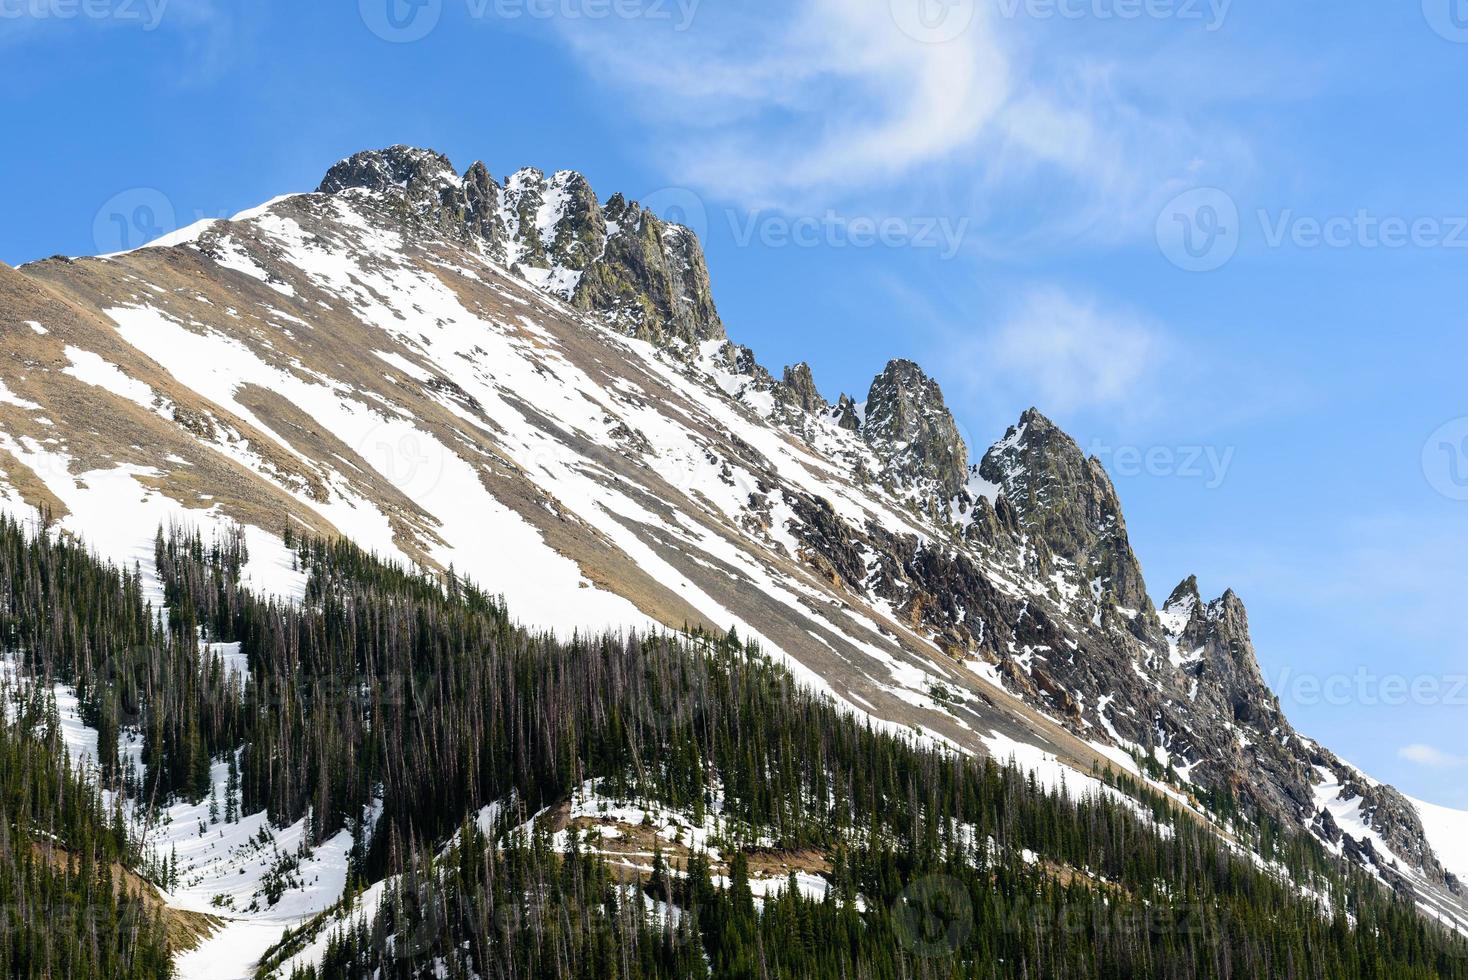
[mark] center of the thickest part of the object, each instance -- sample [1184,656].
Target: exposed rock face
[620,260]
[740,360]
[484,217]
[1227,694]
[652,277]
[524,196]
[1183,689]
[1067,501]
[580,235]
[1219,635]
[432,195]
[798,388]
[910,429]
[422,174]
[1234,726]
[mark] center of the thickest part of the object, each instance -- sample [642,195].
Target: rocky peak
[1233,651]
[484,218]
[1278,768]
[556,223]
[618,209]
[646,275]
[910,429]
[1183,607]
[846,413]
[580,233]
[524,196]
[798,388]
[739,359]
[1067,500]
[1216,638]
[652,276]
[402,167]
[1184,599]
[426,188]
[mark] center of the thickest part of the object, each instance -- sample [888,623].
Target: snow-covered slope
[223,865]
[316,366]
[1448,831]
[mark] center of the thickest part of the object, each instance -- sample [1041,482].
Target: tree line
[416,698]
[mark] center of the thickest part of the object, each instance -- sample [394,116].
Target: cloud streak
[1064,352]
[798,104]
[1076,355]
[821,93]
[1431,757]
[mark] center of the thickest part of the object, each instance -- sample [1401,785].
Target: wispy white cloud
[1063,352]
[798,103]
[1076,354]
[214,35]
[816,93]
[1431,757]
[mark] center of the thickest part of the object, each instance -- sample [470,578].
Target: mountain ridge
[463,372]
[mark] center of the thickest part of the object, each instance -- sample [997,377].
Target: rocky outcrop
[578,240]
[1229,721]
[1067,501]
[798,389]
[1182,689]
[1242,738]
[524,196]
[484,219]
[910,429]
[644,274]
[1227,668]
[430,195]
[740,360]
[652,278]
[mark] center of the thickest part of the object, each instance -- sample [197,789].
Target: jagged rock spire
[428,189]
[798,388]
[1185,597]
[653,275]
[484,218]
[912,431]
[1066,499]
[405,167]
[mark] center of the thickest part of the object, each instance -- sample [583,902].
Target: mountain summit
[646,274]
[1066,500]
[911,430]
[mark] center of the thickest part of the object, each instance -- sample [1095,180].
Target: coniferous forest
[397,706]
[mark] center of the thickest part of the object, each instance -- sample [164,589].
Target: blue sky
[1222,243]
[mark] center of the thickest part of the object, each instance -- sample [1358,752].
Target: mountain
[515,383]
